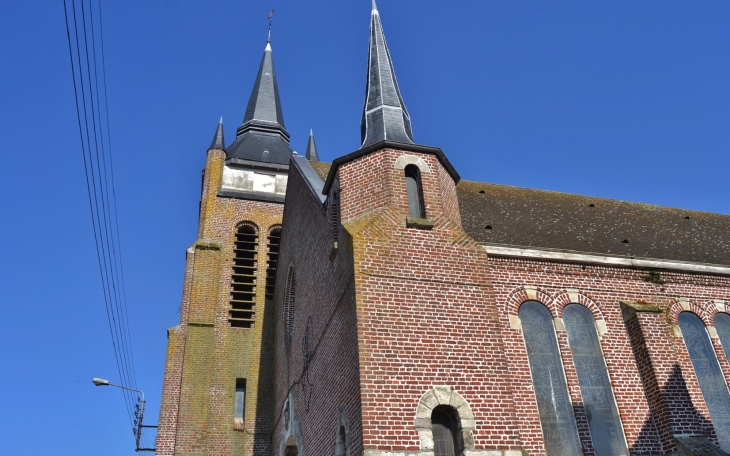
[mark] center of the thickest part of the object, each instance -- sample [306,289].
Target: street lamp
[138,414]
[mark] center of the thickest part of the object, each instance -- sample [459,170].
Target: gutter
[605,260]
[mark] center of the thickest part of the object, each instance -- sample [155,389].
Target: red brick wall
[426,313]
[324,315]
[676,397]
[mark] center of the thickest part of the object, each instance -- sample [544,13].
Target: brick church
[381,306]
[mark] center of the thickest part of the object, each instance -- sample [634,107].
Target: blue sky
[624,99]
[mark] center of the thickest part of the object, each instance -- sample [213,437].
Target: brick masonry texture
[649,367]
[205,355]
[393,313]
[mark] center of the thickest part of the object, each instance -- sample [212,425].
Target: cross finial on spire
[271,15]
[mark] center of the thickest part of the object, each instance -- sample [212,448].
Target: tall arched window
[709,375]
[416,207]
[273,260]
[243,279]
[289,303]
[604,421]
[722,326]
[446,431]
[559,430]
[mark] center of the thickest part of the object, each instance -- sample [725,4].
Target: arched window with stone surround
[548,378]
[709,375]
[444,416]
[604,421]
[446,431]
[416,206]
[722,326]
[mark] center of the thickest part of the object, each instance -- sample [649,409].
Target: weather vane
[271,15]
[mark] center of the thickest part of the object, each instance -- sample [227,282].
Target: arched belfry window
[604,421]
[709,375]
[289,303]
[446,431]
[548,378]
[273,260]
[243,279]
[416,207]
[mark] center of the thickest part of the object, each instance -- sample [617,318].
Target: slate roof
[262,135]
[384,116]
[311,154]
[218,141]
[561,221]
[529,218]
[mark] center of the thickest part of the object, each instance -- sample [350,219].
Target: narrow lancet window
[445,429]
[709,375]
[273,261]
[240,409]
[243,279]
[548,378]
[722,326]
[416,208]
[604,421]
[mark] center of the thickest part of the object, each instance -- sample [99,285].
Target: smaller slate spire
[384,116]
[312,154]
[218,142]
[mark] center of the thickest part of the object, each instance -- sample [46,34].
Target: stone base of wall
[430,453]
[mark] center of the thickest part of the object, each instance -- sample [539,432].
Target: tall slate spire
[263,123]
[218,141]
[312,154]
[385,115]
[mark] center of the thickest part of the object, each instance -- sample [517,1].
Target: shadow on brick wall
[670,403]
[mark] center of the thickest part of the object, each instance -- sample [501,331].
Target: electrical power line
[92,116]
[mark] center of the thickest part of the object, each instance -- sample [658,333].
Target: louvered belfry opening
[289,303]
[243,279]
[335,216]
[273,261]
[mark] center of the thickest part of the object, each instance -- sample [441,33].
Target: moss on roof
[321,168]
[513,216]
[504,215]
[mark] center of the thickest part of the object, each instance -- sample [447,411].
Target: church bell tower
[217,382]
